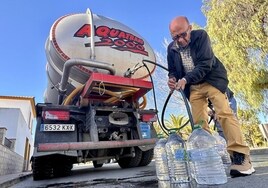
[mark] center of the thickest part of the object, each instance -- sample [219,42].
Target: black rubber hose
[181,92]
[164,109]
[187,108]
[163,113]
[161,125]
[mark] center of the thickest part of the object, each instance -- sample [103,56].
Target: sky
[25,26]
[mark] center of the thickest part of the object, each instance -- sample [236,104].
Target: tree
[239,33]
[176,122]
[159,130]
[250,128]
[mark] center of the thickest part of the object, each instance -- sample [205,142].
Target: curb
[258,151]
[15,180]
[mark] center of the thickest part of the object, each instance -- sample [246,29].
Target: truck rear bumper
[45,147]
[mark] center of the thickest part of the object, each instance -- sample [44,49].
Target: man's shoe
[241,165]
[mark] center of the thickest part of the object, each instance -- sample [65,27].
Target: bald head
[179,23]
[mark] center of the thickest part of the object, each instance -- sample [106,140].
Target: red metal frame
[93,145]
[95,79]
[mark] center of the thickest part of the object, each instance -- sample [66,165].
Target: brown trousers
[229,123]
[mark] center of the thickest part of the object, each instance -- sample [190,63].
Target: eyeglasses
[182,35]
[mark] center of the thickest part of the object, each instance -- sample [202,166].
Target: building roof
[31,99]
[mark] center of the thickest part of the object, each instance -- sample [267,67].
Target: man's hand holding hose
[173,85]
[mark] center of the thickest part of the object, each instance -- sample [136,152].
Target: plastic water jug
[161,163]
[179,171]
[205,162]
[221,147]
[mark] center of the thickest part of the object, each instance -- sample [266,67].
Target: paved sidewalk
[11,179]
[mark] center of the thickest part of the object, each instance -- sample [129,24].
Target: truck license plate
[57,127]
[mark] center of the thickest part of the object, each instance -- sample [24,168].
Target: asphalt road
[112,176]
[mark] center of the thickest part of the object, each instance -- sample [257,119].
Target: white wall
[264,130]
[23,132]
[14,122]
[9,120]
[17,117]
[23,105]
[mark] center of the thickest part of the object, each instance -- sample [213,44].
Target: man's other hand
[181,84]
[172,83]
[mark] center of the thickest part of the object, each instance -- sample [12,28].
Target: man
[194,68]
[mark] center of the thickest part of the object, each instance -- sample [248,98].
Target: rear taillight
[148,117]
[56,115]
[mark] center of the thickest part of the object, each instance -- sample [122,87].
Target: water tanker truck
[95,102]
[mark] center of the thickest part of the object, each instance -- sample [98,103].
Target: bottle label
[202,154]
[180,154]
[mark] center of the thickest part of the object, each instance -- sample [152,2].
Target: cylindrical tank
[92,37]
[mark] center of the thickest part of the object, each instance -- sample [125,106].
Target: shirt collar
[178,48]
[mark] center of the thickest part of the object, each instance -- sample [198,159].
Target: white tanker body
[72,36]
[97,70]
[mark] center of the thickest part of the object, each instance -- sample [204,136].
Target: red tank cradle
[115,84]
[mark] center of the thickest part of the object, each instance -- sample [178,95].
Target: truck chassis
[92,129]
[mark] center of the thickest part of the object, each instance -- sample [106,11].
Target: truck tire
[96,165]
[62,166]
[147,157]
[129,162]
[42,168]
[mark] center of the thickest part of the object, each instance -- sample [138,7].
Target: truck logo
[115,38]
